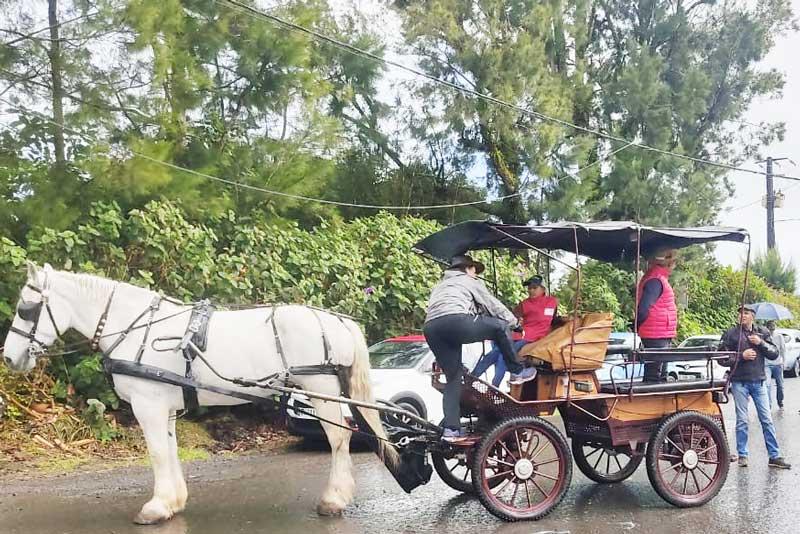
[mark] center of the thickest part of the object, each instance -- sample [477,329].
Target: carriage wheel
[454,469]
[687,459]
[603,463]
[522,469]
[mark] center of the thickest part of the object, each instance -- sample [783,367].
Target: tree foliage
[771,268]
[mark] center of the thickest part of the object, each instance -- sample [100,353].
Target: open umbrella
[769,311]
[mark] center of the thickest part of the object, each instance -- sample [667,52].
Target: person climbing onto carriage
[657,313]
[752,345]
[536,314]
[461,310]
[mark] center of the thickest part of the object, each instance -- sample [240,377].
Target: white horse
[240,344]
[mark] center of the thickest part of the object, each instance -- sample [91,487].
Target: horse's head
[38,322]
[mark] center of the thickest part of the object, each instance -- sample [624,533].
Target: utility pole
[770,203]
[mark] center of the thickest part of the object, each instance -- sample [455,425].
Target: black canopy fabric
[605,241]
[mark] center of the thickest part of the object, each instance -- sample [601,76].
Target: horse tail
[360,389]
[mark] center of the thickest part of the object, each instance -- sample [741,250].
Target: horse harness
[192,346]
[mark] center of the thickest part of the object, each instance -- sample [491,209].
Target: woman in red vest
[657,314]
[536,314]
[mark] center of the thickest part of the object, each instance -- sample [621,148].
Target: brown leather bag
[589,351]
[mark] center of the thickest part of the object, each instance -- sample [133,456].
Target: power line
[253,12]
[46,28]
[291,195]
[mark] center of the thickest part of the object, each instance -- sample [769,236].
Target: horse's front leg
[153,417]
[341,486]
[181,493]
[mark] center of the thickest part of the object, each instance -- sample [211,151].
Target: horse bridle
[32,312]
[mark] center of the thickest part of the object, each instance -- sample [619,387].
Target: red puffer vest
[537,315]
[662,320]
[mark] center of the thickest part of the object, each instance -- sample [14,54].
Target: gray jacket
[780,344]
[459,293]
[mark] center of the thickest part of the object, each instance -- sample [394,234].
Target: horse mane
[92,285]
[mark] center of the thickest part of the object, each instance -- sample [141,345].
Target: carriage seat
[625,387]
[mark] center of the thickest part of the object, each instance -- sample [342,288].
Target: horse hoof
[152,513]
[329,509]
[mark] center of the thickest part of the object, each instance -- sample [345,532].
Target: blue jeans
[776,372]
[756,390]
[495,357]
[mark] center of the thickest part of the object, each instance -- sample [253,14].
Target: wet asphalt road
[277,494]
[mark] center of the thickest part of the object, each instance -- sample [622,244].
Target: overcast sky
[750,187]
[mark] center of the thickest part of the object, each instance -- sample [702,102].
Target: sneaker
[743,461]
[779,462]
[452,434]
[526,375]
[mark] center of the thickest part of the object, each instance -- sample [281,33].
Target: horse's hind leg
[153,417]
[341,486]
[181,493]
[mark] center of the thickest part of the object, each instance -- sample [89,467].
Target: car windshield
[397,354]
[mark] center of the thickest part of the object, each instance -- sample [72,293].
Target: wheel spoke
[501,487]
[665,456]
[528,494]
[514,495]
[504,473]
[696,484]
[608,463]
[691,435]
[499,462]
[700,453]
[677,474]
[539,451]
[618,464]
[508,451]
[546,462]
[594,451]
[671,467]
[711,462]
[539,488]
[685,482]
[466,474]
[674,445]
[704,474]
[599,458]
[543,475]
[519,444]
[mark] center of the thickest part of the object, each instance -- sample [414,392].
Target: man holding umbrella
[752,345]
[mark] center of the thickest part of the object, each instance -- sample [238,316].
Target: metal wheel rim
[547,480]
[688,461]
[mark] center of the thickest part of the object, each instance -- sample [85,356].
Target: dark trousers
[775,372]
[655,371]
[445,336]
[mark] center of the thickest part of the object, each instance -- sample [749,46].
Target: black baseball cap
[534,281]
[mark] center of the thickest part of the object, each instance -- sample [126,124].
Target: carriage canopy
[605,241]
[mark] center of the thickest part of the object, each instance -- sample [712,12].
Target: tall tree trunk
[56,67]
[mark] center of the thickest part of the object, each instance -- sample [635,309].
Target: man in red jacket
[657,313]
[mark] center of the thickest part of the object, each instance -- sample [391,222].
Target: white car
[697,369]
[401,373]
[791,365]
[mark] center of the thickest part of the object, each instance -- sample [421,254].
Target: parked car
[400,373]
[791,364]
[620,346]
[697,369]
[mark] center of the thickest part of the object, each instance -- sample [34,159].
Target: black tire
[519,445]
[400,420]
[454,469]
[795,370]
[601,454]
[687,443]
